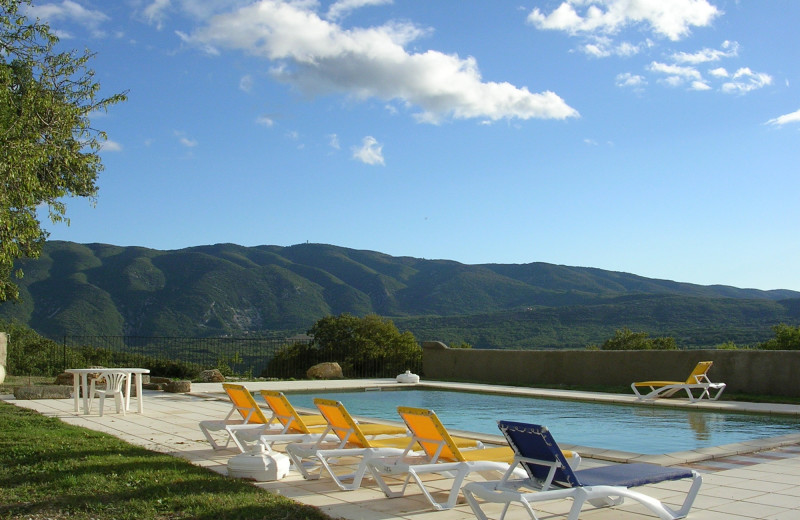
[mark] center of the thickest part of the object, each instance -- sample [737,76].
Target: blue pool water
[638,429]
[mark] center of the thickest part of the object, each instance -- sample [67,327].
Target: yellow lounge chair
[296,427]
[697,380]
[252,424]
[441,455]
[351,441]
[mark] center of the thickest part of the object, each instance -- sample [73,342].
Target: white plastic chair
[114,382]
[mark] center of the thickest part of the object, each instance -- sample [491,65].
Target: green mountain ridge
[232,290]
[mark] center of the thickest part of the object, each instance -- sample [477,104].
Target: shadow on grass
[49,469]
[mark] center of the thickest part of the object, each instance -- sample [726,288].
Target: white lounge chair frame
[250,427]
[697,381]
[351,441]
[296,428]
[561,482]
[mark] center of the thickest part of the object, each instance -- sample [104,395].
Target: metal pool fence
[278,358]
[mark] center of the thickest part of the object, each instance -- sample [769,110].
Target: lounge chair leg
[212,441]
[436,505]
[697,481]
[454,491]
[578,500]
[476,508]
[297,461]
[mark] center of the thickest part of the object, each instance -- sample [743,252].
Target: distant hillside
[225,289]
[694,322]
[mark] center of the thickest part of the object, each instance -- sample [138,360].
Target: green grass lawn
[49,469]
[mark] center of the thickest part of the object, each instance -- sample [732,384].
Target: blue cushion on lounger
[630,475]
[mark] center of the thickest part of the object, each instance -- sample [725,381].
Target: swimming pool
[639,429]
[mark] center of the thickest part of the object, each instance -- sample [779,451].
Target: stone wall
[760,372]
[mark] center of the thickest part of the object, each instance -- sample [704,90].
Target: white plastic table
[80,382]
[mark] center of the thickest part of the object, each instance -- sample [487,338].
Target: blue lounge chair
[550,478]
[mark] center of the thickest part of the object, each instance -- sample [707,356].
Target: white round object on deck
[259,465]
[408,377]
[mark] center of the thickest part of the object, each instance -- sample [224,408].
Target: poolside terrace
[750,480]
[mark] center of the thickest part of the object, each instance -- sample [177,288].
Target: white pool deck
[751,480]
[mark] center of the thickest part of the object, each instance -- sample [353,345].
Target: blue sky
[655,137]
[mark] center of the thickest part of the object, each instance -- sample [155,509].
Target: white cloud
[333,141]
[370,152]
[208,49]
[111,146]
[246,83]
[673,81]
[342,8]
[627,49]
[265,121]
[155,13]
[185,141]
[597,49]
[683,72]
[793,117]
[745,80]
[719,72]
[626,79]
[742,81]
[699,85]
[600,22]
[69,10]
[320,57]
[602,47]
[729,50]
[672,19]
[676,75]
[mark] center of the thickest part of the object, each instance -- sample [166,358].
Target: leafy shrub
[625,339]
[30,354]
[463,344]
[364,347]
[786,338]
[172,368]
[292,361]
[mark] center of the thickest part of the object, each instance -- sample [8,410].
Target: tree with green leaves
[48,147]
[626,339]
[371,346]
[366,345]
[787,337]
